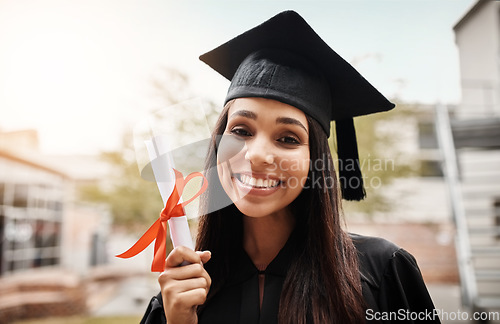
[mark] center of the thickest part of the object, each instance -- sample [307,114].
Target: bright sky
[80,71]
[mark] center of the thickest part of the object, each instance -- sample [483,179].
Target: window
[30,225]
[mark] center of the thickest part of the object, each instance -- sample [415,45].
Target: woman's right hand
[184,287]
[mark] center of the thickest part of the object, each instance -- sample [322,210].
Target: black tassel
[351,180]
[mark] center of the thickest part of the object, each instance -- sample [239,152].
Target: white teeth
[259,183]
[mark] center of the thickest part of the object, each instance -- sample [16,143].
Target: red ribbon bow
[158,230]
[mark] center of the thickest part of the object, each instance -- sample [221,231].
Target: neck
[264,237]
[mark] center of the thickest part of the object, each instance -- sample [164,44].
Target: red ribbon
[158,230]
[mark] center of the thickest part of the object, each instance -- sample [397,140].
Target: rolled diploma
[179,228]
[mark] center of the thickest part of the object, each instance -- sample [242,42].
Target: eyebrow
[244,113]
[280,120]
[290,121]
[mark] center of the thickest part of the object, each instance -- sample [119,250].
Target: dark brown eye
[288,140]
[238,131]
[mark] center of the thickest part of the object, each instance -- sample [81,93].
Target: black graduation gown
[393,288]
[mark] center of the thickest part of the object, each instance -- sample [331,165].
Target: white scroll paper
[165,179]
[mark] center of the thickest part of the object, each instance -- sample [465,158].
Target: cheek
[224,172]
[296,164]
[229,146]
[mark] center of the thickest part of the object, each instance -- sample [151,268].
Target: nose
[259,152]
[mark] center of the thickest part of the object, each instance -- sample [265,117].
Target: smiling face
[270,168]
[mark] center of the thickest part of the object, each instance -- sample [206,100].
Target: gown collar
[244,268]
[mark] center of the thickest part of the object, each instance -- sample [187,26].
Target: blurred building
[41,220]
[469,141]
[49,241]
[418,216]
[477,36]
[423,217]
[32,202]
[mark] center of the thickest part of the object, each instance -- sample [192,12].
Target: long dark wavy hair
[323,282]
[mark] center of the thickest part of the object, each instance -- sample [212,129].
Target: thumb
[204,256]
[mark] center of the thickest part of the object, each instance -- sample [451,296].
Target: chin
[255,211]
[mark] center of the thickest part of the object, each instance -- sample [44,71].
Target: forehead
[262,108]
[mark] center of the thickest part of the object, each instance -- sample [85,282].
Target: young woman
[278,253]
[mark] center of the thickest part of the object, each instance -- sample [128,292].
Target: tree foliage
[132,200]
[386,151]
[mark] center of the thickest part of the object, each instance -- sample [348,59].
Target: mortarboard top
[352,95]
[284,59]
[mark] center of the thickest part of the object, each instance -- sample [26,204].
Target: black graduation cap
[284,59]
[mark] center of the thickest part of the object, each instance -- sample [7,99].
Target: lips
[257,182]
